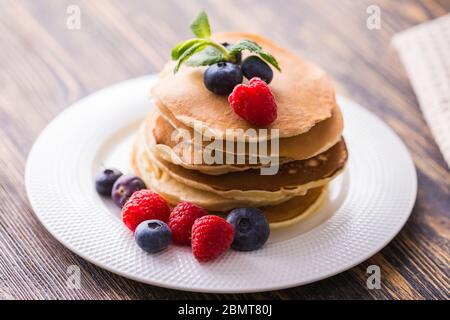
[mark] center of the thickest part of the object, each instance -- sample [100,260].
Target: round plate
[366,206]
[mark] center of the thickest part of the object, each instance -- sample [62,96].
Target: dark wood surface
[44,67]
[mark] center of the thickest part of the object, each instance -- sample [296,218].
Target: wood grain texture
[44,67]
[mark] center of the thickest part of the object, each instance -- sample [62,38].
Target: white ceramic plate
[366,207]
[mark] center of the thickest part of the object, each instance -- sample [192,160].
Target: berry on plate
[254,102]
[104,181]
[181,221]
[251,228]
[222,77]
[124,187]
[211,236]
[254,66]
[152,235]
[144,205]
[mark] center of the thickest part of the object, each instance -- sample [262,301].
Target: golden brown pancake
[174,191]
[289,175]
[153,158]
[321,137]
[158,133]
[292,208]
[304,93]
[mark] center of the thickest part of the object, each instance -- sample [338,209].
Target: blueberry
[254,66]
[251,228]
[238,56]
[104,181]
[124,187]
[222,77]
[152,235]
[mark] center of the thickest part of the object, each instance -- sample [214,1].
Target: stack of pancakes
[311,149]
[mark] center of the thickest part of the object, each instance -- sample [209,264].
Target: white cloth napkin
[425,52]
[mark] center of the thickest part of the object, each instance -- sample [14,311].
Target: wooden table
[45,67]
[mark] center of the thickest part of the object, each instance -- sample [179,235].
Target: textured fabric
[425,52]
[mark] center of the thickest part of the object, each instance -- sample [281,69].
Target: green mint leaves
[202,51]
[200,27]
[194,53]
[206,57]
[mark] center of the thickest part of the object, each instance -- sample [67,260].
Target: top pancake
[304,94]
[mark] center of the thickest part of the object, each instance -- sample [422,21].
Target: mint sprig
[188,50]
[202,51]
[200,27]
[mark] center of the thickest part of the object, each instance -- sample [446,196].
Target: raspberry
[144,205]
[254,102]
[211,236]
[181,220]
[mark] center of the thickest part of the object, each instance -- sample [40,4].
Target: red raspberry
[211,236]
[144,205]
[254,102]
[181,220]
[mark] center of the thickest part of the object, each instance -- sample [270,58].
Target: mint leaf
[200,27]
[200,45]
[182,47]
[206,57]
[255,48]
[269,59]
[245,45]
[185,51]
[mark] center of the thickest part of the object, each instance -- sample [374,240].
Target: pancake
[259,197]
[174,191]
[296,209]
[284,214]
[254,187]
[158,132]
[320,138]
[293,178]
[304,94]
